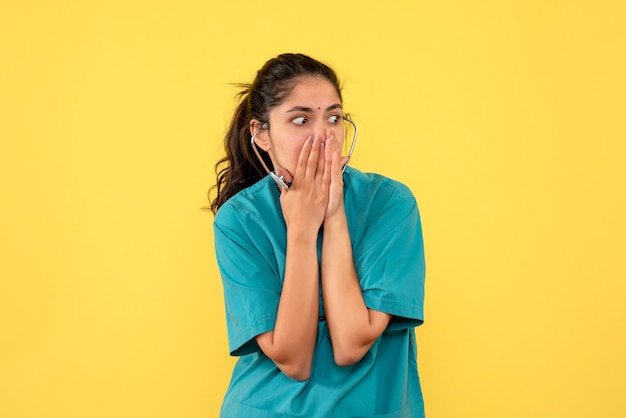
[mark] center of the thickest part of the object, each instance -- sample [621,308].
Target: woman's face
[312,109]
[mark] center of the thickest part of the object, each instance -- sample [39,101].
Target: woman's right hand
[304,203]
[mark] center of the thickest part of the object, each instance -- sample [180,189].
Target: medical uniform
[385,230]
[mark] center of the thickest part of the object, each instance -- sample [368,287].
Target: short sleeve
[251,288]
[390,260]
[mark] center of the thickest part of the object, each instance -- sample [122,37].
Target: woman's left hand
[334,163]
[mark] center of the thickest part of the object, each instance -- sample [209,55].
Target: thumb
[344,161]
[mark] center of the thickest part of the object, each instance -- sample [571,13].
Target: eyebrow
[308,109]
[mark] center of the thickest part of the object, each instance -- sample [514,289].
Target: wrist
[302,235]
[336,220]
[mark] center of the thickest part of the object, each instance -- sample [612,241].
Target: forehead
[312,91]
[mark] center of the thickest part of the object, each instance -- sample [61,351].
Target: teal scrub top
[387,244]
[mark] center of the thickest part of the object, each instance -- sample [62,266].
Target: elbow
[348,357]
[347,353]
[295,364]
[299,372]
[295,368]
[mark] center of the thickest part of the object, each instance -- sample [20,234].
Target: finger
[321,159]
[311,164]
[328,148]
[336,162]
[334,149]
[303,158]
[336,165]
[328,166]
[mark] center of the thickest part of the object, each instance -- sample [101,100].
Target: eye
[300,120]
[334,119]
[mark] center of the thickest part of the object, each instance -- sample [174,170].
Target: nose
[322,130]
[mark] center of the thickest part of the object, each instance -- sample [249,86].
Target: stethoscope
[280,180]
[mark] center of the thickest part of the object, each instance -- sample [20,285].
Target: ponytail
[239,168]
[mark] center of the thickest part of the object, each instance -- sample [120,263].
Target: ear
[262,139]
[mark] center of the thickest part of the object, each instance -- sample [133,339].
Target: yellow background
[506,119]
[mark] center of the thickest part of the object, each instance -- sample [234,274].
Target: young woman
[322,265]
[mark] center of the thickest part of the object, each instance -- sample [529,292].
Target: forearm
[292,342]
[353,327]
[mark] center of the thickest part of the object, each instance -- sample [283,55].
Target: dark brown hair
[240,168]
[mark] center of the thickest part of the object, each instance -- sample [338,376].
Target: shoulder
[376,191]
[250,205]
